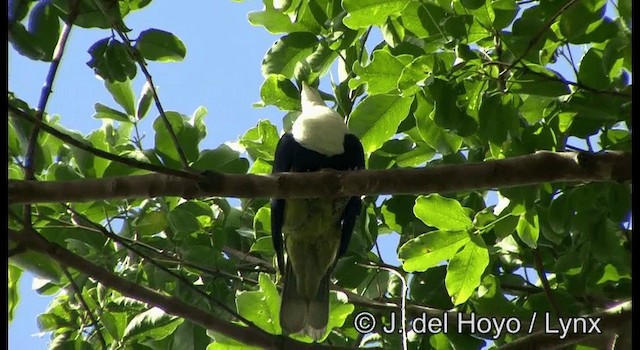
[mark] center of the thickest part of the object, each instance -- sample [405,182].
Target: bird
[314,233]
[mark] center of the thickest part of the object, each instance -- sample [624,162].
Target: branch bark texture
[537,168]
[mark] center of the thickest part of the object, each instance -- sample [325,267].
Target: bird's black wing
[282,163]
[354,159]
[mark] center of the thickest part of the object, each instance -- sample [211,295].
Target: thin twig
[171,257]
[352,93]
[569,59]
[525,69]
[100,153]
[142,64]
[403,305]
[534,40]
[48,88]
[182,279]
[29,169]
[537,260]
[78,293]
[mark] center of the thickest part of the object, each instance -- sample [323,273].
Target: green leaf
[263,245]
[262,222]
[580,17]
[381,75]
[459,26]
[151,223]
[442,213]
[414,75]
[465,270]
[261,307]
[443,141]
[223,342]
[261,141]
[43,30]
[146,97]
[392,32]
[118,64]
[447,112]
[591,72]
[611,274]
[61,172]
[538,82]
[624,9]
[98,60]
[279,91]
[158,45]
[275,21]
[415,157]
[528,228]
[376,119]
[260,166]
[569,263]
[152,324]
[123,95]
[183,222]
[321,60]
[286,53]
[423,20]
[40,265]
[13,289]
[105,112]
[188,138]
[497,115]
[430,249]
[114,323]
[339,310]
[223,159]
[472,4]
[365,13]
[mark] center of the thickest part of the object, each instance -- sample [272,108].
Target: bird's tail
[299,313]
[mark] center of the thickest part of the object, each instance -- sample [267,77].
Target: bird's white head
[319,127]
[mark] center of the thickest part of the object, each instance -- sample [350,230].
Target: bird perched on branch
[314,233]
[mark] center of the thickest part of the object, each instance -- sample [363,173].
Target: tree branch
[170,304]
[611,320]
[537,168]
[132,162]
[32,143]
[539,267]
[185,282]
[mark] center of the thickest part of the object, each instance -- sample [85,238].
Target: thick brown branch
[171,305]
[540,167]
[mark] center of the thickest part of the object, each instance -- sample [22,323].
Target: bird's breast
[310,219]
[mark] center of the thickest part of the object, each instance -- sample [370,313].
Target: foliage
[450,82]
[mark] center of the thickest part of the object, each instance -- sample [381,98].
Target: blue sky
[220,72]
